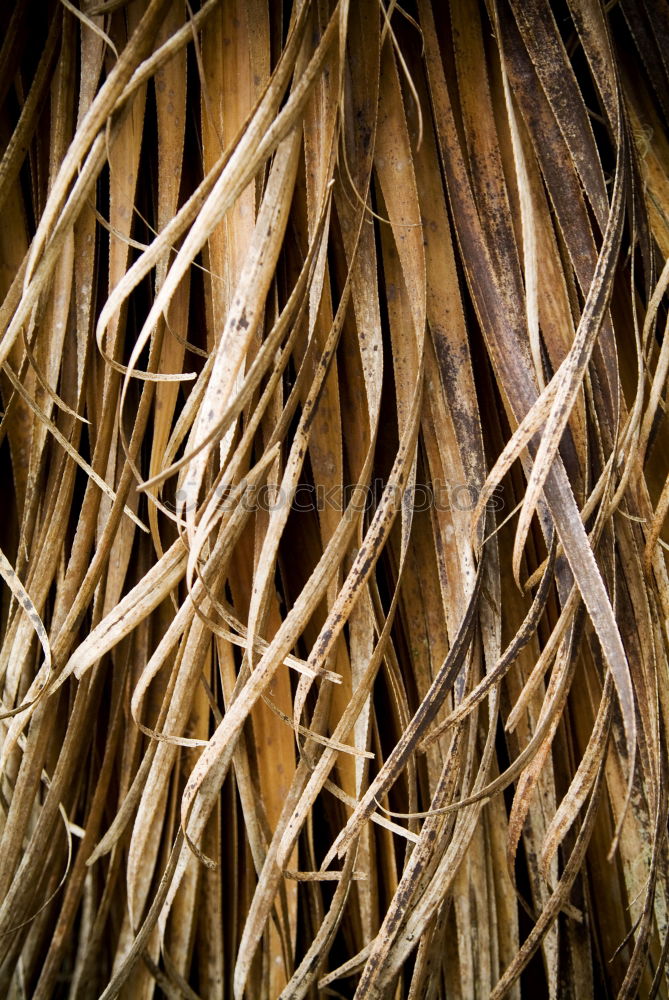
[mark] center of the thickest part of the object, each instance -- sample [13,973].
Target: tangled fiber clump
[334,476]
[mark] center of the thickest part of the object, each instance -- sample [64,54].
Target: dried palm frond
[334,451]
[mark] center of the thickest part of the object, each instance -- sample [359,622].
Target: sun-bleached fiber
[333,469]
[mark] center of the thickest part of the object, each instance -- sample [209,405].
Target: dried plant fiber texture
[334,471]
